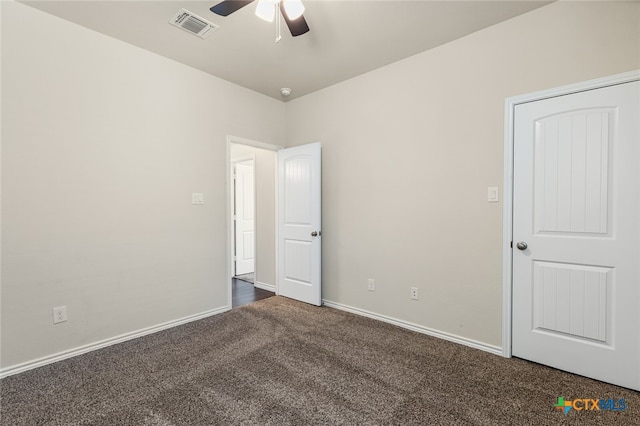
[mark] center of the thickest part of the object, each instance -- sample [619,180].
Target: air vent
[193,23]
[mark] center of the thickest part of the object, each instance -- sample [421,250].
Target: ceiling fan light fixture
[266,9]
[270,10]
[293,8]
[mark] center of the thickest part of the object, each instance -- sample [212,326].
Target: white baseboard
[265,286]
[497,350]
[29,365]
[50,359]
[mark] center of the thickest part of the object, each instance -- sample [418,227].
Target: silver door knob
[315,233]
[521,245]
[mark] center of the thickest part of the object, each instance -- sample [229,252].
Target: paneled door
[576,233]
[299,211]
[244,218]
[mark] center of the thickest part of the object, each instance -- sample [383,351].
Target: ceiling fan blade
[296,26]
[227,7]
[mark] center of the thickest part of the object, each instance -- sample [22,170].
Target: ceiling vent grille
[193,23]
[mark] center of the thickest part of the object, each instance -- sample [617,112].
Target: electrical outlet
[414,293]
[372,284]
[59,314]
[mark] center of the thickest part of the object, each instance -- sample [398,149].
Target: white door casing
[576,287]
[299,222]
[244,217]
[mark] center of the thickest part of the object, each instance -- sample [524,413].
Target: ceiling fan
[290,10]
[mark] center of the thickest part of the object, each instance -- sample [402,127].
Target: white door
[299,209]
[576,285]
[244,218]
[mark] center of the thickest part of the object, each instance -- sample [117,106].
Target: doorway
[572,275]
[251,220]
[287,218]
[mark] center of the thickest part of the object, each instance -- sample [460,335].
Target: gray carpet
[280,362]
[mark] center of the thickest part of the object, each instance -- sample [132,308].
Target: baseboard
[265,286]
[497,350]
[29,365]
[50,359]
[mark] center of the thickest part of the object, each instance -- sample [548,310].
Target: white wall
[265,177]
[410,149]
[102,145]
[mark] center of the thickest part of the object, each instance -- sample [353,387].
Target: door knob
[315,233]
[521,245]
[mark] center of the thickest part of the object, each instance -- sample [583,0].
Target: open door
[299,214]
[244,221]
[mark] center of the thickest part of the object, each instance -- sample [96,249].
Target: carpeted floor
[280,362]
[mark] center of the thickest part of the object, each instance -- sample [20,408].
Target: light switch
[197,198]
[492,194]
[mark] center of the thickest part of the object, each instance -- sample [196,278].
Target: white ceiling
[347,38]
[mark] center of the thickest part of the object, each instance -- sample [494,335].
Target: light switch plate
[492,194]
[197,198]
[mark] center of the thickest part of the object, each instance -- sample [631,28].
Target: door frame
[507,214]
[229,207]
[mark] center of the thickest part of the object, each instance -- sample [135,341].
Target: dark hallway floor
[244,293]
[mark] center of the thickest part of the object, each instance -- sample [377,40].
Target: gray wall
[410,149]
[102,145]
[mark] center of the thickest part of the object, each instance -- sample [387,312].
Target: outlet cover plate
[59,314]
[414,293]
[371,284]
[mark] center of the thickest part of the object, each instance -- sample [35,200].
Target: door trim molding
[255,144]
[507,214]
